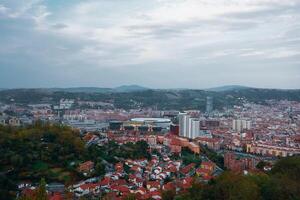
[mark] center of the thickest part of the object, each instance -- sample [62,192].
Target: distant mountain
[127,97]
[130,88]
[82,90]
[123,88]
[227,88]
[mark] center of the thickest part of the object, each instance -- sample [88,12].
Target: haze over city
[157,44]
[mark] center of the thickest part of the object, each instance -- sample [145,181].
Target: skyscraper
[195,128]
[183,124]
[188,127]
[209,105]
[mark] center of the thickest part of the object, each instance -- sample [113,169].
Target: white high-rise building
[183,124]
[188,127]
[195,128]
[241,124]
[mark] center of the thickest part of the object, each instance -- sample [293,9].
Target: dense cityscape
[151,151]
[150,100]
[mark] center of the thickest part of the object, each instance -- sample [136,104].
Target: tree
[168,195]
[100,169]
[233,186]
[41,193]
[284,180]
[6,185]
[130,197]
[261,165]
[289,166]
[16,160]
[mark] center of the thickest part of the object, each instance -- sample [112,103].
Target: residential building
[240,124]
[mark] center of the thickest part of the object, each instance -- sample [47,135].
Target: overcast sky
[154,43]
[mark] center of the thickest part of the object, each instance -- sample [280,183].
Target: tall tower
[188,127]
[209,104]
[195,128]
[183,124]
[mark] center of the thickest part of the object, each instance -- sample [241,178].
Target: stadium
[143,124]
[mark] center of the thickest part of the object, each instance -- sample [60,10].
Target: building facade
[240,124]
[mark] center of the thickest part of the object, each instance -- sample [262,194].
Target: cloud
[144,38]
[59,26]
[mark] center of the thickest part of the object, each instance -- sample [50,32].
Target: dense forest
[53,152]
[162,99]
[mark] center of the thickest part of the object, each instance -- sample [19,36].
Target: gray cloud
[164,44]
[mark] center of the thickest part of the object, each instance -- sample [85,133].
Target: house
[104,183]
[175,149]
[121,190]
[114,177]
[55,196]
[169,186]
[151,140]
[211,143]
[203,172]
[136,168]
[156,195]
[172,168]
[120,182]
[157,170]
[188,168]
[28,193]
[119,167]
[86,167]
[141,190]
[139,182]
[187,182]
[14,122]
[232,162]
[87,188]
[208,165]
[145,196]
[195,148]
[153,185]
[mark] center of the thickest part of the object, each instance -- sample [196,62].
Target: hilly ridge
[162,99]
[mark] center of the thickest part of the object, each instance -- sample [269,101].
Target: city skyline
[156,44]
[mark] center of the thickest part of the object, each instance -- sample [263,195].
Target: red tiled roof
[141,190]
[56,196]
[169,186]
[135,168]
[105,181]
[122,188]
[208,164]
[187,182]
[203,171]
[188,168]
[89,186]
[29,193]
[120,182]
[155,193]
[86,166]
[139,180]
